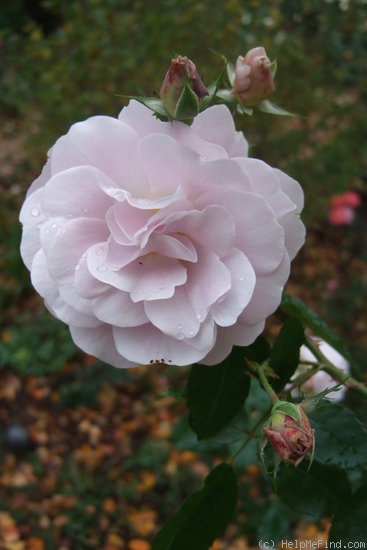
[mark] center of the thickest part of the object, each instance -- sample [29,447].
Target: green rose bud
[182,89]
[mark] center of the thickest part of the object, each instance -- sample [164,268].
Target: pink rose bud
[181,89]
[253,77]
[289,432]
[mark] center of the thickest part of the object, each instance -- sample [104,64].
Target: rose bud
[182,89]
[253,80]
[289,432]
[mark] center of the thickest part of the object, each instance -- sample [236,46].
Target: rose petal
[175,317]
[116,308]
[71,240]
[75,193]
[243,279]
[148,344]
[208,280]
[107,144]
[100,343]
[216,125]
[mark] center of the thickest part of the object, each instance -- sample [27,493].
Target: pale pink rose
[159,241]
[321,380]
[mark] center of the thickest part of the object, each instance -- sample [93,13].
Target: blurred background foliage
[61,62]
[64,61]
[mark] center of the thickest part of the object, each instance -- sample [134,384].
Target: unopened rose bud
[289,432]
[253,80]
[182,89]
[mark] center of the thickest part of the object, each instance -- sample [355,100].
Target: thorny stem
[336,373]
[304,376]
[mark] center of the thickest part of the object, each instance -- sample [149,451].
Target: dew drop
[102,268]
[35,212]
[53,225]
[180,327]
[77,267]
[199,316]
[180,336]
[242,278]
[221,299]
[204,157]
[100,251]
[191,332]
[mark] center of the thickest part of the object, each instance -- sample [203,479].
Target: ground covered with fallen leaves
[97,466]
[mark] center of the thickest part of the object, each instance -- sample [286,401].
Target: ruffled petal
[175,317]
[148,344]
[228,307]
[100,343]
[75,193]
[216,125]
[116,308]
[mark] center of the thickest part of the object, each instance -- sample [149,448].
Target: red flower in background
[341,210]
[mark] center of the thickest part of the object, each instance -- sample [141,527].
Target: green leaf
[258,351]
[274,523]
[284,357]
[317,492]
[294,306]
[349,524]
[154,104]
[225,95]
[271,108]
[231,72]
[215,394]
[204,516]
[340,437]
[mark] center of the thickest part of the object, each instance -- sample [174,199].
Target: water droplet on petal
[180,327]
[199,316]
[53,225]
[242,278]
[102,268]
[100,251]
[221,299]
[191,332]
[35,211]
[180,336]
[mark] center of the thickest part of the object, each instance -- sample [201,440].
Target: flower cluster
[158,241]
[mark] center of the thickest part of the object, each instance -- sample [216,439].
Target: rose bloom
[157,241]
